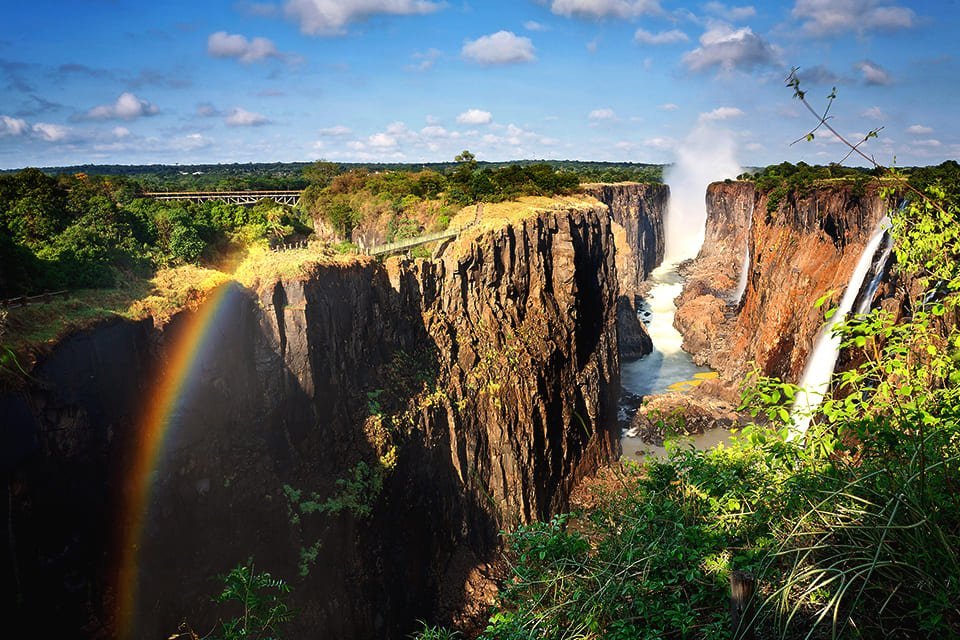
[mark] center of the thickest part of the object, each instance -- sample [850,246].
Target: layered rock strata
[800,249]
[637,211]
[426,405]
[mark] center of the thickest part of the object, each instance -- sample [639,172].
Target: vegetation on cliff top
[853,532]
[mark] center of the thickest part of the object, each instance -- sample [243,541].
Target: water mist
[705,156]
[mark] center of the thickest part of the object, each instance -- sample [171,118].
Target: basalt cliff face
[638,212]
[426,404]
[799,249]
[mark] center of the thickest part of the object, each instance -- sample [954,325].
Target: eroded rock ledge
[480,387]
[799,249]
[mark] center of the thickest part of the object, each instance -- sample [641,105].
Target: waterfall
[745,267]
[815,381]
[744,276]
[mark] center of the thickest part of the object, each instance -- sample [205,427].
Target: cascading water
[744,275]
[705,156]
[737,297]
[815,381]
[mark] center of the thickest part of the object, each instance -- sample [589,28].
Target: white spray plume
[705,156]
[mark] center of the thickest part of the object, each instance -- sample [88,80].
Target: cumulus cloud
[382,140]
[668,106]
[224,45]
[127,107]
[832,17]
[475,116]
[664,37]
[720,113]
[606,8]
[533,25]
[660,142]
[919,130]
[329,17]
[51,132]
[240,117]
[502,47]
[729,49]
[874,113]
[13,126]
[873,74]
[730,13]
[602,115]
[121,132]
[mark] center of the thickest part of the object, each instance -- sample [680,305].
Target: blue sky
[131,82]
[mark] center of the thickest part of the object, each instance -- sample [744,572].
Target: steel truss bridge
[290,197]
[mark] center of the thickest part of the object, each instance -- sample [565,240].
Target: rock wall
[476,390]
[800,249]
[637,211]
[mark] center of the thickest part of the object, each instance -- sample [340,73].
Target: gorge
[426,405]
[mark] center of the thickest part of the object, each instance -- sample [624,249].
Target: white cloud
[533,25]
[121,132]
[51,132]
[832,17]
[598,115]
[240,117]
[720,113]
[873,73]
[382,141]
[329,17]
[335,131]
[593,45]
[664,37]
[606,8]
[434,131]
[661,143]
[928,143]
[730,13]
[475,116]
[126,107]
[190,142]
[12,126]
[668,106]
[502,47]
[729,49]
[919,130]
[224,45]
[875,113]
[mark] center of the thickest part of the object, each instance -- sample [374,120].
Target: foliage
[780,181]
[258,601]
[76,231]
[852,530]
[428,632]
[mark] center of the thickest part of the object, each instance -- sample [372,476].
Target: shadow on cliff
[277,396]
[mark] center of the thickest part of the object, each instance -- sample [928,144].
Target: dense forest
[73,229]
[290,175]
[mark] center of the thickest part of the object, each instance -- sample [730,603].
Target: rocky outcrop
[637,211]
[800,248]
[426,404]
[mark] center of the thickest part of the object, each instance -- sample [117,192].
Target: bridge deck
[285,196]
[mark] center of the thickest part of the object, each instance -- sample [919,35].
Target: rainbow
[171,394]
